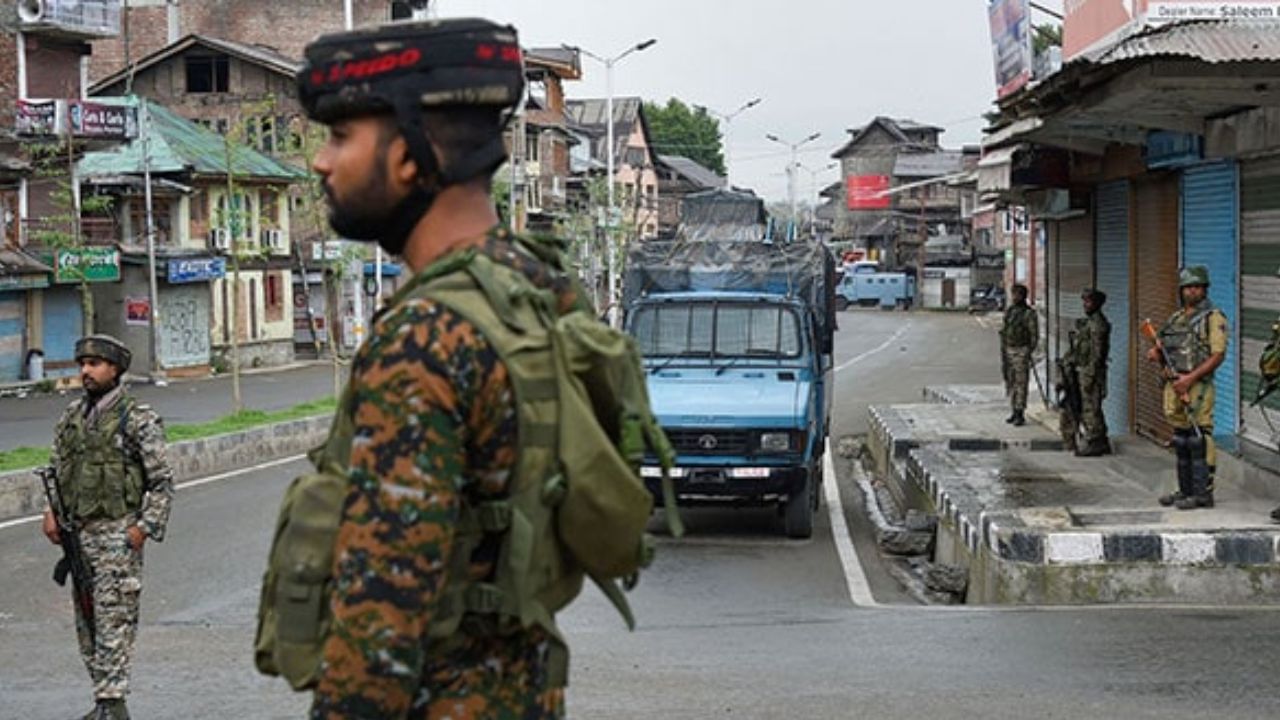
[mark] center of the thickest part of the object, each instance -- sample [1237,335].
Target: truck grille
[709,442]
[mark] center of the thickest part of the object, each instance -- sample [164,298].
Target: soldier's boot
[1201,495]
[1013,416]
[1183,453]
[1275,514]
[1019,419]
[1095,448]
[113,709]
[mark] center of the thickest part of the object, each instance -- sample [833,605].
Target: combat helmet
[1193,275]
[106,348]
[403,68]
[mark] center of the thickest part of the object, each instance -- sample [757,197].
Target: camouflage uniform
[435,427]
[115,565]
[1087,358]
[1018,339]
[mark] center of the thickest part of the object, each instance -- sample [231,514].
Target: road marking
[855,579]
[859,358]
[184,486]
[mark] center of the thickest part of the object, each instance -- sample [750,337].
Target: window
[208,74]
[531,147]
[699,330]
[275,297]
[253,308]
[161,209]
[269,214]
[239,217]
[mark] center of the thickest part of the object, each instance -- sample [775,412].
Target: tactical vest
[1269,362]
[97,476]
[576,506]
[1186,338]
[1016,333]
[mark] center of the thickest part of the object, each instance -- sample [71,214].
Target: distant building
[679,176]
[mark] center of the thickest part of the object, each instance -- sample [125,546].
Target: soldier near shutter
[116,486]
[1195,341]
[1269,371]
[1018,339]
[1086,361]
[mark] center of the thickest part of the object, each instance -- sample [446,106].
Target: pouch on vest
[293,609]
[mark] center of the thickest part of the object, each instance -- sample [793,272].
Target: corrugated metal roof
[178,145]
[700,175]
[1212,41]
[258,54]
[589,116]
[16,262]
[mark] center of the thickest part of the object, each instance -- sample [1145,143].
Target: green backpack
[577,507]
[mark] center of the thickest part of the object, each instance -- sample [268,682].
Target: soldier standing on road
[1087,361]
[1018,340]
[1195,340]
[417,113]
[116,485]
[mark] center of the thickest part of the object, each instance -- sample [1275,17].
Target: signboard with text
[37,118]
[86,264]
[868,192]
[1092,26]
[101,121]
[137,311]
[1010,22]
[192,270]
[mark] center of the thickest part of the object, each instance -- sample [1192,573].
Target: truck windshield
[717,329]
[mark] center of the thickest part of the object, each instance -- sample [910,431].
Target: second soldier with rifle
[110,488]
[1084,380]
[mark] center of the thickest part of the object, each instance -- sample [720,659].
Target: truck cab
[741,384]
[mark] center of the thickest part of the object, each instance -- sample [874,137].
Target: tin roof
[178,145]
[1211,41]
[928,165]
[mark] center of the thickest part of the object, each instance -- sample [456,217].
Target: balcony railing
[93,231]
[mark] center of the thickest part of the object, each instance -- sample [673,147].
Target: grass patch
[26,457]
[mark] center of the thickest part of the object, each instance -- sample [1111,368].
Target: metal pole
[791,184]
[609,221]
[358,281]
[157,368]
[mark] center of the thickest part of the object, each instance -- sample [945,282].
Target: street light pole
[791,167]
[728,127]
[610,222]
[813,192]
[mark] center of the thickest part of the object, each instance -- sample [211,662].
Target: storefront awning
[995,170]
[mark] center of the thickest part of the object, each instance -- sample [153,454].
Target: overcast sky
[819,66]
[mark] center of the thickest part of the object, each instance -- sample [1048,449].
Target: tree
[677,129]
[1046,36]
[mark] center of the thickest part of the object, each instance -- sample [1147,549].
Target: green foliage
[1046,36]
[23,457]
[678,129]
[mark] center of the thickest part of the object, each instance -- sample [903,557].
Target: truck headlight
[775,442]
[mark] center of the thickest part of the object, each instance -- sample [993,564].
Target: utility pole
[348,19]
[728,126]
[144,127]
[791,167]
[610,151]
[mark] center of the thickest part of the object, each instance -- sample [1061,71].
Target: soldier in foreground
[114,487]
[1084,372]
[1191,345]
[1018,340]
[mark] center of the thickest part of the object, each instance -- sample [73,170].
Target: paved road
[734,621]
[29,421]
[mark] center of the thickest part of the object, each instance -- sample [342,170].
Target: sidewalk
[1033,524]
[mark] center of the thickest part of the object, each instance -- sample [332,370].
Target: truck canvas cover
[721,247]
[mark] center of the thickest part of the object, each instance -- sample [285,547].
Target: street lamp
[609,153]
[791,167]
[728,125]
[813,191]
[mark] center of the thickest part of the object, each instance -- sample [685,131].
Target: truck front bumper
[730,483]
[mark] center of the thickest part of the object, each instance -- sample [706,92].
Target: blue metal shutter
[1112,268]
[13,324]
[62,326]
[1209,232]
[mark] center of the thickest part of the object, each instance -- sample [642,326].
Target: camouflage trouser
[117,583]
[1091,420]
[1019,376]
[1202,397]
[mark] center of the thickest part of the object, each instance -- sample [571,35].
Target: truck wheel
[798,517]
[842,304]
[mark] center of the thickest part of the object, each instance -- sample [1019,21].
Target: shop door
[13,325]
[1260,292]
[1112,260]
[1074,271]
[1155,291]
[184,325]
[1209,238]
[63,325]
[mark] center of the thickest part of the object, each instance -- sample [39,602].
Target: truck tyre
[798,516]
[842,303]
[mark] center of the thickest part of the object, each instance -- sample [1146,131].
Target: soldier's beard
[370,214]
[95,389]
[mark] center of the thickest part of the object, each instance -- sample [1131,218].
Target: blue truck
[737,334]
[864,284]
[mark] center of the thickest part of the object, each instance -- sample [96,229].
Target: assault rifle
[1148,329]
[1069,396]
[73,562]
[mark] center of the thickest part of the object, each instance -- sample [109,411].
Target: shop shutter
[1155,291]
[1112,263]
[13,324]
[1209,224]
[1260,289]
[63,324]
[184,325]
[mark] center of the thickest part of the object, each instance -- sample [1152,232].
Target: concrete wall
[21,493]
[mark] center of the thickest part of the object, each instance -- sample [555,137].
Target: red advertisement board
[867,192]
